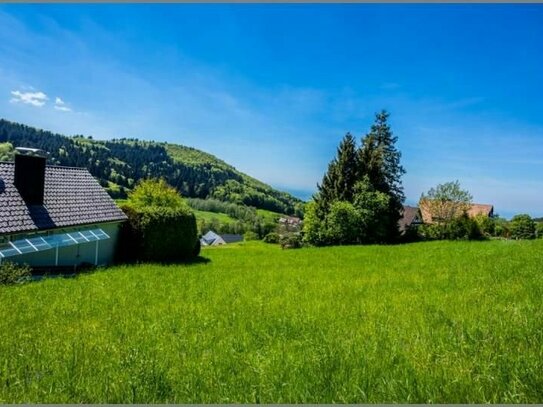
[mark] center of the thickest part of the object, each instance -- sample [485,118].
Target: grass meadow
[441,322]
[223,218]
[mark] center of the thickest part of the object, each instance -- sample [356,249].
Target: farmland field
[447,322]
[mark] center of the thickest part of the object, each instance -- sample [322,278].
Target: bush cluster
[539,230]
[12,273]
[272,237]
[157,233]
[160,227]
[522,227]
[461,228]
[250,235]
[519,227]
[291,241]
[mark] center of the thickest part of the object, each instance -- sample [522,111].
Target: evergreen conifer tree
[379,160]
[338,182]
[366,180]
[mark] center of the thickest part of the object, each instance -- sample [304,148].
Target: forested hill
[120,163]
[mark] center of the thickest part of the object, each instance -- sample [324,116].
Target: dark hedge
[158,234]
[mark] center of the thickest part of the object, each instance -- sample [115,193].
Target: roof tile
[72,197]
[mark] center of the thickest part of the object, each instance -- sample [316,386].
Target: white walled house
[54,216]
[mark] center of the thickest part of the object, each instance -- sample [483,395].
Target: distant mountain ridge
[120,163]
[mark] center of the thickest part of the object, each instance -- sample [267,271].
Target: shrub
[197,248]
[271,238]
[487,225]
[431,232]
[12,273]
[157,233]
[314,228]
[343,223]
[502,228]
[153,192]
[522,227]
[460,228]
[291,241]
[160,227]
[250,235]
[411,234]
[463,228]
[539,230]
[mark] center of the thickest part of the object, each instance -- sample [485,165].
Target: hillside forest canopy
[120,163]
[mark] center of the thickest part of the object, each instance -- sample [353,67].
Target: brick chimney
[29,176]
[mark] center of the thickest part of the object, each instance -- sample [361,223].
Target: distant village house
[213,239]
[414,216]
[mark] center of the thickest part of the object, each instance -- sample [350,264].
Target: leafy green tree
[501,228]
[486,224]
[153,192]
[6,152]
[314,224]
[463,228]
[343,223]
[374,213]
[445,202]
[522,227]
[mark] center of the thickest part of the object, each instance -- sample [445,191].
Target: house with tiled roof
[411,217]
[445,207]
[53,215]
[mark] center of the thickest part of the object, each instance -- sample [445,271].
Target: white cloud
[61,105]
[37,99]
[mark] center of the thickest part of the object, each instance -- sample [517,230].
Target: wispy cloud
[61,105]
[37,99]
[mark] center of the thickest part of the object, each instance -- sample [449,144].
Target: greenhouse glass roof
[39,243]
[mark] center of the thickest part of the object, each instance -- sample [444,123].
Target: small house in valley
[213,239]
[231,238]
[52,216]
[411,217]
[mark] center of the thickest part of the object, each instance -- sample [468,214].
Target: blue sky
[271,89]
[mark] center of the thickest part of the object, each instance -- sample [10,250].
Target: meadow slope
[447,322]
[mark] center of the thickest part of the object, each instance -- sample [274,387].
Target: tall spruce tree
[379,160]
[338,182]
[365,181]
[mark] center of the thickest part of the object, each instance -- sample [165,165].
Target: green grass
[208,216]
[433,322]
[269,216]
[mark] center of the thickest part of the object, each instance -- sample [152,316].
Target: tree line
[120,163]
[246,219]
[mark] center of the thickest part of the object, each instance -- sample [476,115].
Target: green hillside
[209,216]
[118,164]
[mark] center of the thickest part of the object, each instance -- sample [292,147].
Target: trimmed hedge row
[158,234]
